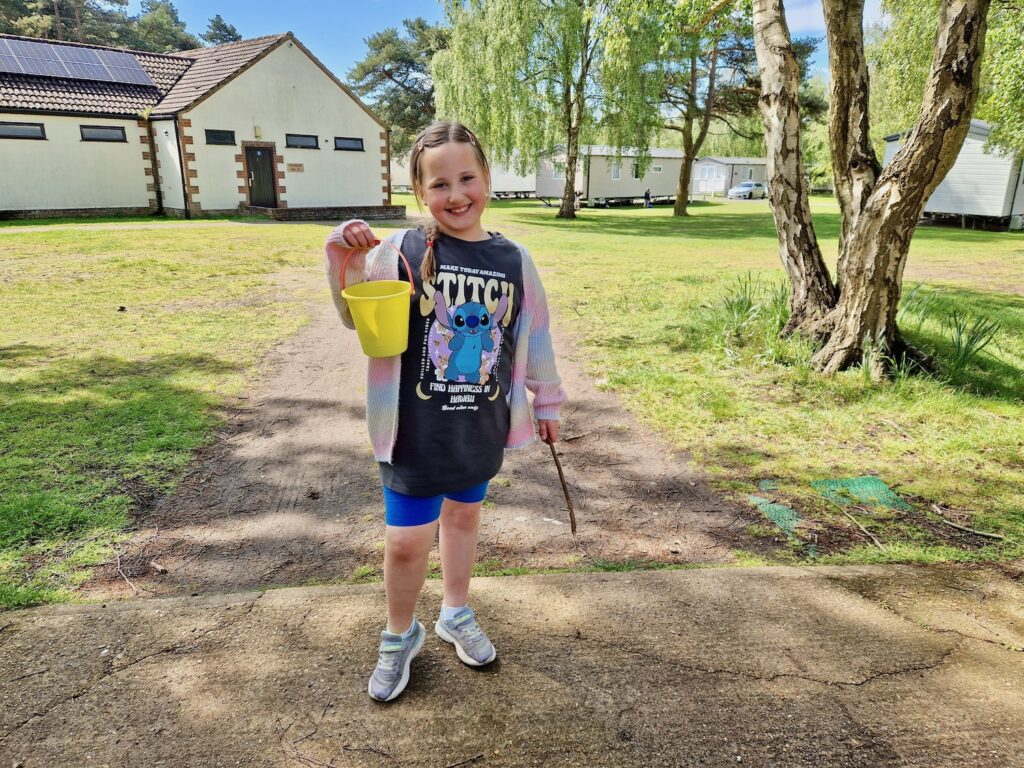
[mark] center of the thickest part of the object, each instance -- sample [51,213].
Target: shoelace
[388,661]
[471,629]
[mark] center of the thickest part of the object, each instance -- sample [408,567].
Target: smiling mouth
[460,211]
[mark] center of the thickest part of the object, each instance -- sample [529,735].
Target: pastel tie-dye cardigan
[533,364]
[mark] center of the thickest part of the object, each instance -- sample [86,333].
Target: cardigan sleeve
[335,251]
[542,377]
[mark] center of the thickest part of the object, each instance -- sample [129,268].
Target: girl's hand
[548,430]
[355,234]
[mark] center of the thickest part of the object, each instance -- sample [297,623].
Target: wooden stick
[565,488]
[866,531]
[965,528]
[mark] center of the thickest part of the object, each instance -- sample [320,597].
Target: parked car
[749,190]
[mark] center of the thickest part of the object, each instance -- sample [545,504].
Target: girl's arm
[542,377]
[353,237]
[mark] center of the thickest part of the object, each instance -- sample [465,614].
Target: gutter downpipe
[182,166]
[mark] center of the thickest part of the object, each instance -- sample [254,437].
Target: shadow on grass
[989,373]
[85,437]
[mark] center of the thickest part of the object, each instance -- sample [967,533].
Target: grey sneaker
[462,631]
[392,673]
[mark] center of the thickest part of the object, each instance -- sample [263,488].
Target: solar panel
[124,67]
[8,61]
[37,58]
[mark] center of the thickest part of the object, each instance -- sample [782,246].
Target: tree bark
[855,167]
[691,145]
[812,293]
[879,237]
[574,101]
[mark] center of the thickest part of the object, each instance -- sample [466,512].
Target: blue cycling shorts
[402,509]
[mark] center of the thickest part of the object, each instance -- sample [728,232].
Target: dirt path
[289,494]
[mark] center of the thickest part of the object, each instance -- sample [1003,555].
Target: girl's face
[454,188]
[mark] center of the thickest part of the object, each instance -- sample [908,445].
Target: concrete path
[842,666]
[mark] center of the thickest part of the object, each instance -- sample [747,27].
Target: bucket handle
[408,269]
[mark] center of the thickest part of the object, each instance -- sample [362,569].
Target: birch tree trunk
[878,239]
[812,293]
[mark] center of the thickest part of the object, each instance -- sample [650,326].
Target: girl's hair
[434,135]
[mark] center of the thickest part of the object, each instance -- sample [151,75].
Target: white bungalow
[980,184]
[254,126]
[716,175]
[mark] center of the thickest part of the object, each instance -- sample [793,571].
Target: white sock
[408,633]
[447,614]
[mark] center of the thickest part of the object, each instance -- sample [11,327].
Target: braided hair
[434,135]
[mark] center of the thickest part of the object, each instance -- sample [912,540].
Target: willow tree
[530,75]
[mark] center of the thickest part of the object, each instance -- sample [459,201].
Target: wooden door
[262,191]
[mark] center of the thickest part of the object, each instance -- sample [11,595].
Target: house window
[656,169]
[102,133]
[636,171]
[348,144]
[22,131]
[301,141]
[616,171]
[220,137]
[558,172]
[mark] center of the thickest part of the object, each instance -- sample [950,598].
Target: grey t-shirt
[453,407]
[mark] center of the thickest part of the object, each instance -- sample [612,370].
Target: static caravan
[715,175]
[606,179]
[983,185]
[505,182]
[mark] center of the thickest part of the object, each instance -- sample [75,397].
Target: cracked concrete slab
[842,666]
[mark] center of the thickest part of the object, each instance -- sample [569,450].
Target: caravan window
[616,170]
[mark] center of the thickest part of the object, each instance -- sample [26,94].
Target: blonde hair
[434,135]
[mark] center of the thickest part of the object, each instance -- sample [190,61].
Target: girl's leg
[406,548]
[460,526]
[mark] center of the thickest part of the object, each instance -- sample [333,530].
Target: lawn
[122,349]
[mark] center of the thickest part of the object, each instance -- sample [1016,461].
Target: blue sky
[335,32]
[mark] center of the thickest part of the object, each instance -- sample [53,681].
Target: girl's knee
[408,543]
[460,515]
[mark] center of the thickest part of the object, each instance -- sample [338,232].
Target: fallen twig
[866,531]
[965,528]
[575,437]
[118,556]
[468,760]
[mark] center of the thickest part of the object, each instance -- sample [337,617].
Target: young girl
[441,414]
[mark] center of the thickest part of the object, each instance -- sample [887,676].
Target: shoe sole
[405,672]
[445,635]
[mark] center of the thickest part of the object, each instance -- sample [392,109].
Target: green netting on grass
[860,490]
[784,517]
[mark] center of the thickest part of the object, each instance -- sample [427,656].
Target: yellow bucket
[380,311]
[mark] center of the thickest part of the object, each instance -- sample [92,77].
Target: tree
[159,29]
[395,76]
[100,22]
[879,208]
[528,75]
[219,32]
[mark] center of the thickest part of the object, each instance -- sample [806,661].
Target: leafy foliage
[529,75]
[395,77]
[219,32]
[900,55]
[157,27]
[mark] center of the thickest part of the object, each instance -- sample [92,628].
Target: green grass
[663,307]
[119,351]
[103,408]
